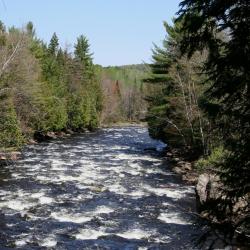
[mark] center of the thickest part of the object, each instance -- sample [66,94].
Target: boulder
[179,170]
[51,135]
[208,189]
[190,177]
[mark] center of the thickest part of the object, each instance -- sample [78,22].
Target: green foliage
[11,135]
[51,89]
[53,45]
[82,52]
[51,115]
[228,70]
[128,75]
[124,92]
[215,160]
[30,29]
[173,114]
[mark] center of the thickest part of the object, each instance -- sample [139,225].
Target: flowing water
[99,190]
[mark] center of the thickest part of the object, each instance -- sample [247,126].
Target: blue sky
[120,31]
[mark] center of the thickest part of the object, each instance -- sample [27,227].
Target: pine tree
[2,35]
[53,45]
[82,52]
[228,69]
[30,29]
[174,115]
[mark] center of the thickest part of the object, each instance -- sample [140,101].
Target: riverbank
[183,167]
[10,155]
[211,201]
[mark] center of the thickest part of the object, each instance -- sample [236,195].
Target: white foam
[37,195]
[17,205]
[135,234]
[74,218]
[20,243]
[103,210]
[138,194]
[64,216]
[89,234]
[169,192]
[48,242]
[45,178]
[46,200]
[17,176]
[118,189]
[123,156]
[172,218]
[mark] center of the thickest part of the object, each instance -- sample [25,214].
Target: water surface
[99,190]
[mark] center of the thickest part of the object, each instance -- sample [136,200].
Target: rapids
[99,190]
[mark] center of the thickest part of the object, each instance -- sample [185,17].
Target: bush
[214,160]
[11,135]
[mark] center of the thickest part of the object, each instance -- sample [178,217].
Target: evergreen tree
[2,35]
[50,89]
[53,45]
[228,69]
[10,135]
[30,29]
[82,52]
[174,115]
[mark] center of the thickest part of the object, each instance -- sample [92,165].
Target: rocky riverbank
[8,156]
[180,165]
[212,204]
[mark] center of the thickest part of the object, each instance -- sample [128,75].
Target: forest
[45,88]
[124,92]
[201,104]
[194,96]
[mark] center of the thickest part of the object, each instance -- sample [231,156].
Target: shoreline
[209,196]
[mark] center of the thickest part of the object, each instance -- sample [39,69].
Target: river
[99,190]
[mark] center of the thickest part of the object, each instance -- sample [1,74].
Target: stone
[7,157]
[51,135]
[209,192]
[32,141]
[178,170]
[190,178]
[14,156]
[241,205]
[187,166]
[202,188]
[169,154]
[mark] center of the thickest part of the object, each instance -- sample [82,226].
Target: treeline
[200,101]
[44,87]
[124,93]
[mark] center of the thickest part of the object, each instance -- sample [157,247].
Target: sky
[120,32]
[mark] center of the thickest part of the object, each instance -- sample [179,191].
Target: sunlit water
[98,190]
